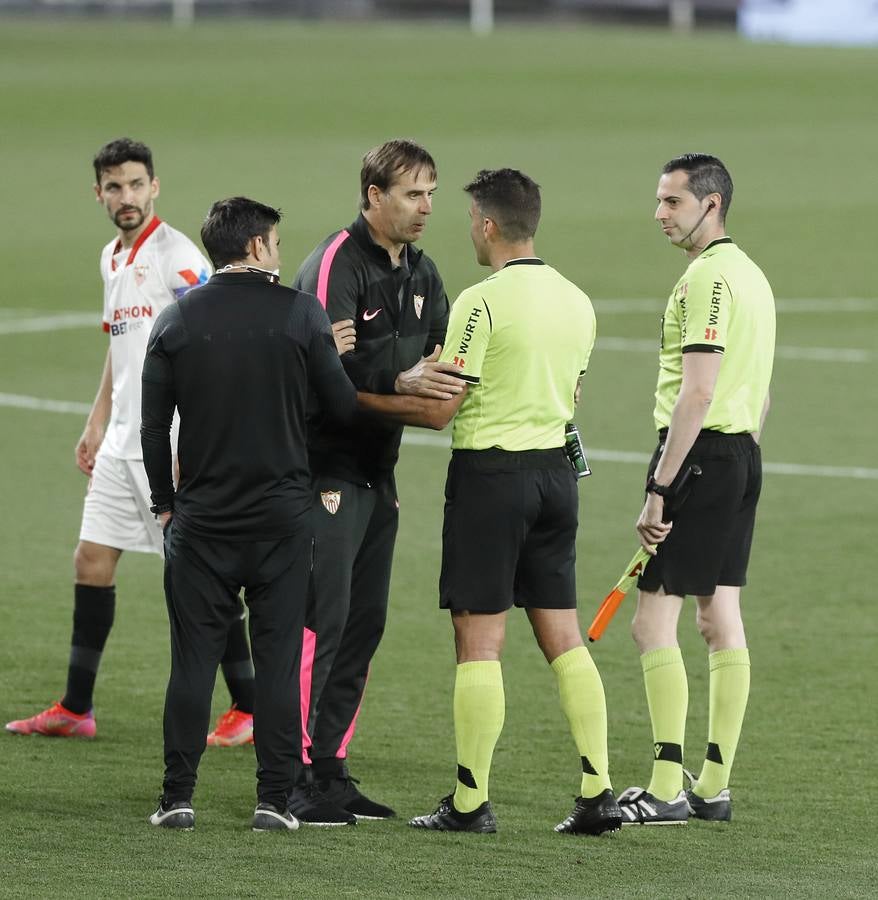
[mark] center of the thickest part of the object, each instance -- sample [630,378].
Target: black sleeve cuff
[385,381]
[703,348]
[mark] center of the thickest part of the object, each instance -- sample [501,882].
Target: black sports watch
[653,487]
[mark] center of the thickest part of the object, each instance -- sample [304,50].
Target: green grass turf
[283,113]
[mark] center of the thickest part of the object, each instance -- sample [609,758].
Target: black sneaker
[268,817]
[310,807]
[639,807]
[341,790]
[446,818]
[593,815]
[179,814]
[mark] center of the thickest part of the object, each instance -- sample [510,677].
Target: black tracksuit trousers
[347,607]
[202,582]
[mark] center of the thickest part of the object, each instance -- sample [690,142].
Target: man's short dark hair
[707,175]
[230,226]
[120,151]
[383,165]
[511,199]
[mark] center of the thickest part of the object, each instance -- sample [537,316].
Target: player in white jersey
[148,266]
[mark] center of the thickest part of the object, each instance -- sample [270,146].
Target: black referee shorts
[710,542]
[509,534]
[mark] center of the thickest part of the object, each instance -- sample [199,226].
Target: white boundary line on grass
[625,456]
[420,439]
[20,401]
[56,322]
[833,305]
[815,354]
[63,321]
[416,438]
[604,305]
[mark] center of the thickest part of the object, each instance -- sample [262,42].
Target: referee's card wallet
[575,451]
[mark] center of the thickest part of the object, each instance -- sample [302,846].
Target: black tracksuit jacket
[400,315]
[238,357]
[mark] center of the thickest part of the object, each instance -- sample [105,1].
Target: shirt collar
[524,261]
[722,240]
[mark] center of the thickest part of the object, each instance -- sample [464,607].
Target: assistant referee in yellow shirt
[715,365]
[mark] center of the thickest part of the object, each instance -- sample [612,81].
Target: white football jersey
[139,282]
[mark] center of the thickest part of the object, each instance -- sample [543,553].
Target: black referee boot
[446,818]
[593,815]
[710,809]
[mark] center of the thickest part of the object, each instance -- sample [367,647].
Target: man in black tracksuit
[238,358]
[372,274]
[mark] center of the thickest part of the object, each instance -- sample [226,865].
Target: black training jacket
[238,358]
[400,315]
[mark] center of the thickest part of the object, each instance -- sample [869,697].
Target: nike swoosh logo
[368,314]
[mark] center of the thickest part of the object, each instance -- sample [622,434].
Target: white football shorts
[116,510]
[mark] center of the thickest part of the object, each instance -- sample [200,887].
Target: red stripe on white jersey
[156,221]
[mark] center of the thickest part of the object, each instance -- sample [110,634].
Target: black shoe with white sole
[639,807]
[178,814]
[342,791]
[310,807]
[268,817]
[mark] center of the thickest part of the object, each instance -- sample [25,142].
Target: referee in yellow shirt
[521,339]
[715,365]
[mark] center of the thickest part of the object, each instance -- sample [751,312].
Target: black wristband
[653,487]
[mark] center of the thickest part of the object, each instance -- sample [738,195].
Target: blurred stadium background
[798,21]
[279,102]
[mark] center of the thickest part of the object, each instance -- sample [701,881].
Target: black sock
[238,667]
[93,610]
[327,768]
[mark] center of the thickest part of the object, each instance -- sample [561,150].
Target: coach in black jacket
[237,357]
[371,273]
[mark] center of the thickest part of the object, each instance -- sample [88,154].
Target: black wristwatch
[653,487]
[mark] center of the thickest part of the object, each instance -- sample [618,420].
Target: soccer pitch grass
[283,113]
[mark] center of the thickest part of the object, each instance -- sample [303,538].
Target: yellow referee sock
[584,704]
[479,711]
[667,693]
[729,690]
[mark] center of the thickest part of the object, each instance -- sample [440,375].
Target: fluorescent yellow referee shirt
[521,338]
[722,304]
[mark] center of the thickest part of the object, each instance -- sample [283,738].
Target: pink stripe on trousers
[309,648]
[342,751]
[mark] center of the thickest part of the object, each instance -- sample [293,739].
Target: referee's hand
[650,528]
[430,378]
